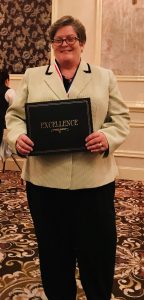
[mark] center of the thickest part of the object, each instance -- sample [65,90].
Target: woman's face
[64,52]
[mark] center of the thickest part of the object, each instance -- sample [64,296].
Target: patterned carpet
[19,264]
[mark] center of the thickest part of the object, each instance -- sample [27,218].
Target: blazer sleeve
[116,124]
[15,116]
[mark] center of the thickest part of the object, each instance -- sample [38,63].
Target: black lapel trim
[47,71]
[88,70]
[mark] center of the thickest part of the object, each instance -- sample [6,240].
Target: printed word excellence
[59,124]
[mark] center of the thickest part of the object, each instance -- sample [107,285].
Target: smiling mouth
[66,50]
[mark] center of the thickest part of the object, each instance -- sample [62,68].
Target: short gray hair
[66,21]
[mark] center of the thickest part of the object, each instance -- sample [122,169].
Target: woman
[71,195]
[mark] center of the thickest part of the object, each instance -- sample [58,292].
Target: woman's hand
[97,142]
[24,145]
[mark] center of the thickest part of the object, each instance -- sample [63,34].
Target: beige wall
[122,48]
[130,156]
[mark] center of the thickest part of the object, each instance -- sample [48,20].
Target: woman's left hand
[97,142]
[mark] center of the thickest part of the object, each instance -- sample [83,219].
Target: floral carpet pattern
[19,263]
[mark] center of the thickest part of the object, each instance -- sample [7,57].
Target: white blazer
[109,114]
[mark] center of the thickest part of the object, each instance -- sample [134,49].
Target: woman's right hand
[24,144]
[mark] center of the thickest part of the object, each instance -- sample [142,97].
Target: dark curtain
[24,27]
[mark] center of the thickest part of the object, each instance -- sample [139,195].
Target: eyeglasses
[70,40]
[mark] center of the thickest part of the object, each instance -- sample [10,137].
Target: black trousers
[72,230]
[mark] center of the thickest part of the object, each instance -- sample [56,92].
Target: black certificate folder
[58,126]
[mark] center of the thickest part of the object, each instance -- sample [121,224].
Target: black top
[3,108]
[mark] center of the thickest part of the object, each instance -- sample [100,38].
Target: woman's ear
[82,46]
